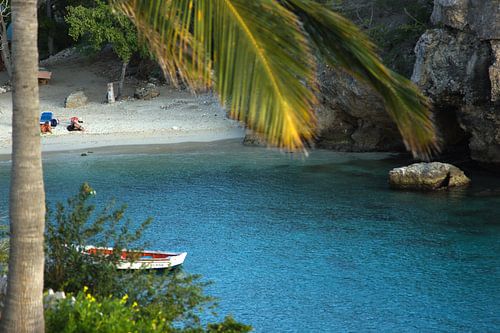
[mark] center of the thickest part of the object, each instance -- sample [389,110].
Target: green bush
[69,229]
[98,25]
[86,314]
[393,25]
[177,296]
[4,249]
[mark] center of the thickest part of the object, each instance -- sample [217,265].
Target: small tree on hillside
[99,26]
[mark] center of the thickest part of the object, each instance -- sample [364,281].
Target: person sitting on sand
[75,125]
[46,128]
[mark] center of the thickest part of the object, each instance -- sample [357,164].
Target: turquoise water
[308,245]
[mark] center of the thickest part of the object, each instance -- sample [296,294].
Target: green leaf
[256,55]
[343,45]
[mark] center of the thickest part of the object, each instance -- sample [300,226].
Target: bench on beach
[44,76]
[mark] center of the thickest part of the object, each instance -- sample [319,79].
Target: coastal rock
[483,125]
[254,139]
[494,71]
[480,17]
[75,100]
[6,87]
[62,56]
[452,67]
[452,13]
[458,67]
[427,176]
[352,116]
[148,91]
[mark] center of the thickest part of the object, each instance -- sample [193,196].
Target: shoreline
[172,117]
[133,142]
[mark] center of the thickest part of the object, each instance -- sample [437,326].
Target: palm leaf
[254,53]
[256,56]
[343,45]
[166,26]
[264,68]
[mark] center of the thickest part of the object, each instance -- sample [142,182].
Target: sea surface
[317,244]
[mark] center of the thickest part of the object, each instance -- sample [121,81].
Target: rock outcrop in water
[427,176]
[458,67]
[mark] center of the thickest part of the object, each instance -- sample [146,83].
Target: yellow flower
[134,304]
[85,288]
[124,299]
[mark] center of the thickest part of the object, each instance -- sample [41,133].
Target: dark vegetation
[393,25]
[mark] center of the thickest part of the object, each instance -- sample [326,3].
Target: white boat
[141,259]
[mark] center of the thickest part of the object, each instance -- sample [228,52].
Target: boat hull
[141,260]
[175,260]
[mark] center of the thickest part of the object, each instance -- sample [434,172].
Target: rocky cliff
[457,64]
[351,116]
[458,67]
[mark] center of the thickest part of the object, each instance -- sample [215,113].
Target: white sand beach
[175,116]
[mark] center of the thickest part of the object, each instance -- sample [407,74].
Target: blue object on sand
[48,116]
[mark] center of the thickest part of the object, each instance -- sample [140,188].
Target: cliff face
[458,67]
[351,116]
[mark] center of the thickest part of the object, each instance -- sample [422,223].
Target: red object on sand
[44,76]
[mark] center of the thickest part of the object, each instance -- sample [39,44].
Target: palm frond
[343,45]
[257,57]
[264,69]
[166,26]
[254,53]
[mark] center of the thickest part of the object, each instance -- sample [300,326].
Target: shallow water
[308,245]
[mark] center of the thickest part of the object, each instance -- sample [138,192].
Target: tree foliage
[176,295]
[97,26]
[394,25]
[88,314]
[69,230]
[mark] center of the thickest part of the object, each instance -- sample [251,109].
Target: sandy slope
[175,116]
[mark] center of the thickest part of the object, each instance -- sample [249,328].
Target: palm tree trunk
[24,302]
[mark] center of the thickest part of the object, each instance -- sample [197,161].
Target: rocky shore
[457,67]
[427,176]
